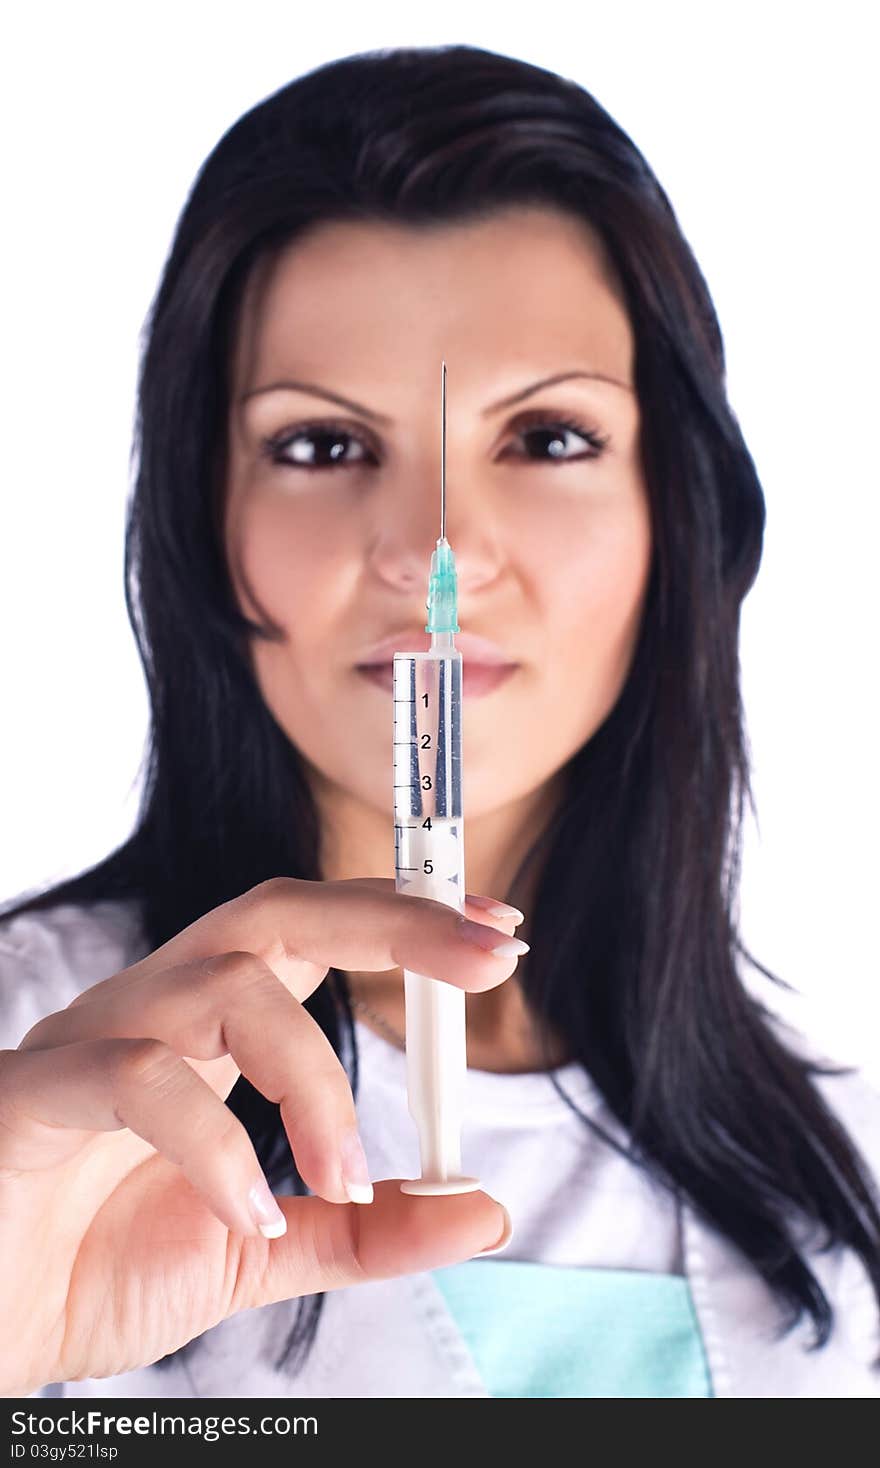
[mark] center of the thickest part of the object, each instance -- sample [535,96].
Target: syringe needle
[443,452]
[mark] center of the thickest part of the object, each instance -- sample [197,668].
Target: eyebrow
[313,390]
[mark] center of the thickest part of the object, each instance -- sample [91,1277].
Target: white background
[758,120]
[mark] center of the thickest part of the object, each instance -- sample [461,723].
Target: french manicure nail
[265,1211]
[505,1239]
[491,939]
[497,909]
[355,1172]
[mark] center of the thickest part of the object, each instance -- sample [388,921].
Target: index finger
[302,928]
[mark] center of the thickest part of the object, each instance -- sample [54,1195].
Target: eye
[317,446]
[547,435]
[326,445]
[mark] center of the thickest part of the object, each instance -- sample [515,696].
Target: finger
[327,1248]
[483,909]
[302,928]
[487,909]
[234,1005]
[48,1098]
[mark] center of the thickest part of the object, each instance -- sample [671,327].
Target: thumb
[330,1245]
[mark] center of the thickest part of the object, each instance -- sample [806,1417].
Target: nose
[405,534]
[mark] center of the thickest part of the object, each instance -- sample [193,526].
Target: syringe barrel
[427,737]
[429,862]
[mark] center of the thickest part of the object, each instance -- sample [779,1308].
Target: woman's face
[333,510]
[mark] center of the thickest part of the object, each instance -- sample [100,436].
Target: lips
[484,665]
[479,651]
[476,680]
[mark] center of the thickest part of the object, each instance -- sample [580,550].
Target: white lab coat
[46,957]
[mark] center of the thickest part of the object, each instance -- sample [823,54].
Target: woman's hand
[127,1224]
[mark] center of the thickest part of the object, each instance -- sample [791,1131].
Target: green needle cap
[442,603]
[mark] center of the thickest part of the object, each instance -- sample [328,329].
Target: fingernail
[491,939]
[497,909]
[505,1239]
[265,1211]
[355,1172]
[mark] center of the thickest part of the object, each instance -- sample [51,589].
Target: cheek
[275,560]
[292,569]
[601,586]
[294,564]
[592,605]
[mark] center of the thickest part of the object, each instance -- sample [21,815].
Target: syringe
[429,861]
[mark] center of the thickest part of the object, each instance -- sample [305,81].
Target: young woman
[692,1193]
